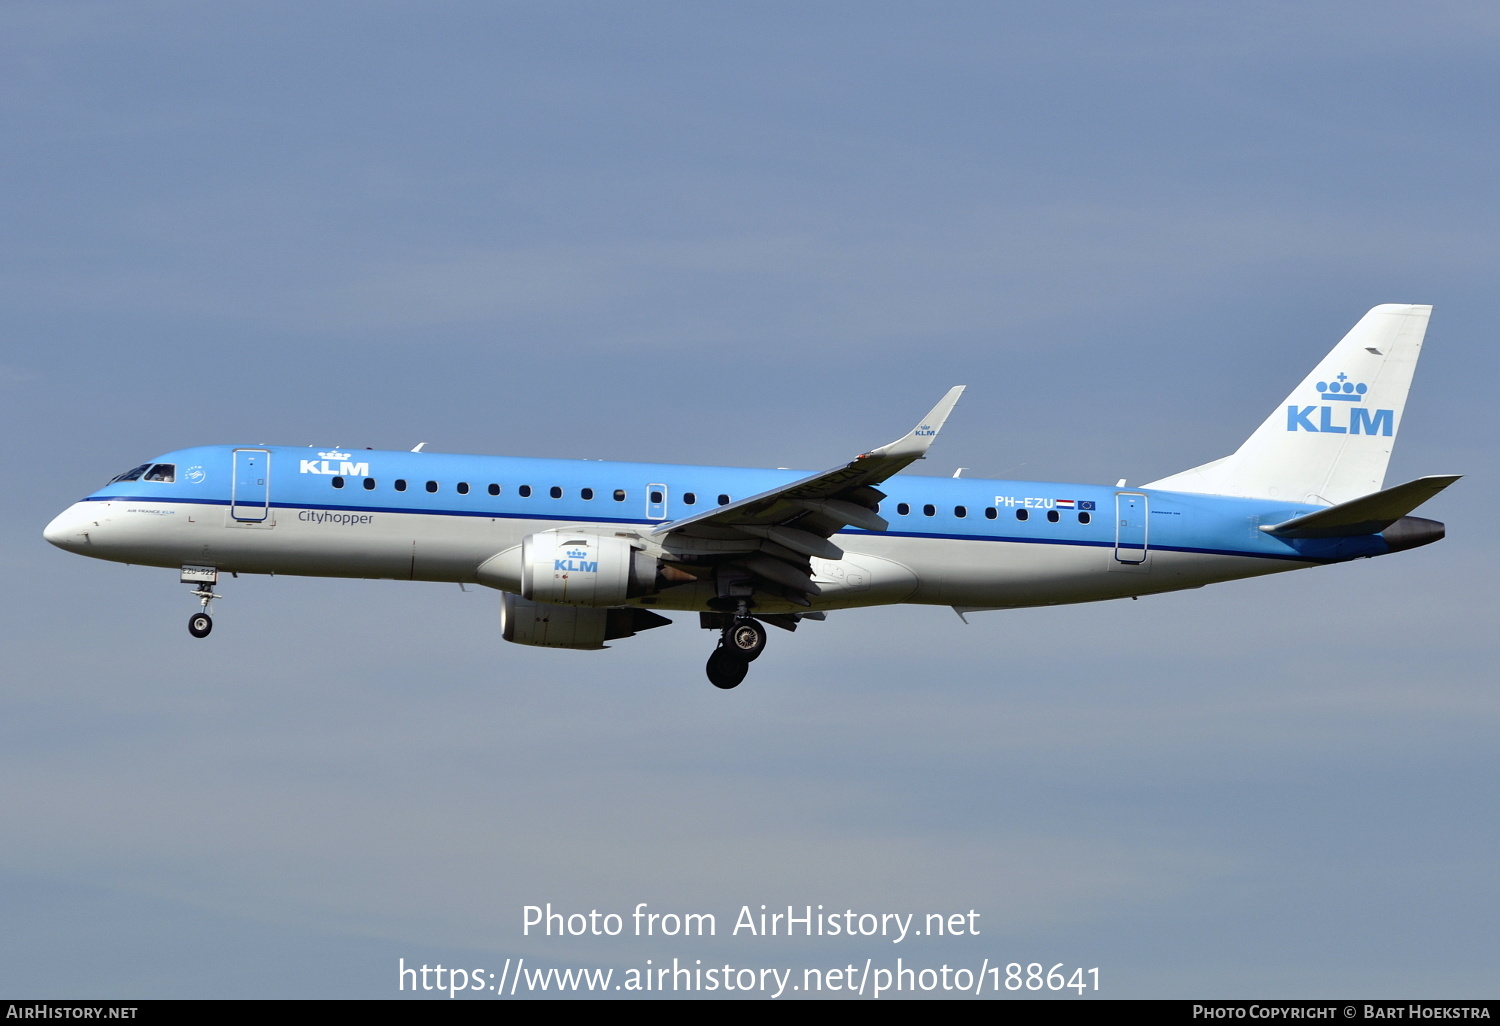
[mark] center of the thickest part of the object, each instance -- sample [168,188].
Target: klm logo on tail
[1361,419]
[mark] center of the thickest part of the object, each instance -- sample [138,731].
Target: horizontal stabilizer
[1369,514]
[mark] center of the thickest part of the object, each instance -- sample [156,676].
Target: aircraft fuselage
[968,542]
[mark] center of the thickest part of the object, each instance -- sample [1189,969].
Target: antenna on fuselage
[418,447]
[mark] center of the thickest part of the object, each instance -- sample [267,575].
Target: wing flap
[805,542]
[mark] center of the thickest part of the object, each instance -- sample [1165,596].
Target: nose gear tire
[199,624]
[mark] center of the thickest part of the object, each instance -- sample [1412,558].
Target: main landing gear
[740,643]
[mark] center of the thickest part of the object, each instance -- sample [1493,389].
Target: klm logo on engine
[1361,420]
[577,562]
[325,465]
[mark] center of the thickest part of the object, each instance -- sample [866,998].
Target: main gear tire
[726,668]
[746,638]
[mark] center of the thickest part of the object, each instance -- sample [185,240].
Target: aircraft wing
[771,536]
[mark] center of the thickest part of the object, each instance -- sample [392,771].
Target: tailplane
[1330,440]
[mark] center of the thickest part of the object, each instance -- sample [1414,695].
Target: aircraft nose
[69,529]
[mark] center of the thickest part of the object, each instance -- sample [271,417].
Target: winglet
[917,441]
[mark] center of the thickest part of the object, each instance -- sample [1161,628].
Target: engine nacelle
[573,567]
[548,626]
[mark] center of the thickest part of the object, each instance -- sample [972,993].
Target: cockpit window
[131,475]
[165,472]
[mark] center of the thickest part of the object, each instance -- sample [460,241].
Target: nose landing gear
[205,577]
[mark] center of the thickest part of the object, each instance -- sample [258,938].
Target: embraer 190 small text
[586,552]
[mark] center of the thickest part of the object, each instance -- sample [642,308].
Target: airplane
[586,552]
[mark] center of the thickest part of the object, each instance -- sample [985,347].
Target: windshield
[131,475]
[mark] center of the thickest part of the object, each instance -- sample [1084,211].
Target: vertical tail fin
[1331,439]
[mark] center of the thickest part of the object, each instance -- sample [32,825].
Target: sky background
[765,234]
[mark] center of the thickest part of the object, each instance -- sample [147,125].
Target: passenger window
[524,491]
[619,495]
[494,489]
[960,512]
[432,486]
[338,482]
[723,500]
[990,513]
[929,510]
[1052,516]
[689,498]
[1084,518]
[902,509]
[133,474]
[163,472]
[400,484]
[586,493]
[463,488]
[369,484]
[1021,514]
[656,496]
[555,492]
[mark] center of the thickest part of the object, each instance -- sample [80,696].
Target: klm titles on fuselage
[1361,419]
[324,465]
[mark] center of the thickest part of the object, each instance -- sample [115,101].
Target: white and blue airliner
[587,552]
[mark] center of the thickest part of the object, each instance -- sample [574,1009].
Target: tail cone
[1410,532]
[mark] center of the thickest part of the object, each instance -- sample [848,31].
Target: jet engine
[549,626]
[583,568]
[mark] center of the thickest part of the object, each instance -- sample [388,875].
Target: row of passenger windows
[688,498]
[524,491]
[990,513]
[167,472]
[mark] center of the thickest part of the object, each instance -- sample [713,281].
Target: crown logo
[334,455]
[578,553]
[1341,389]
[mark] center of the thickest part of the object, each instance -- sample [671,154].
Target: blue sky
[760,234]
